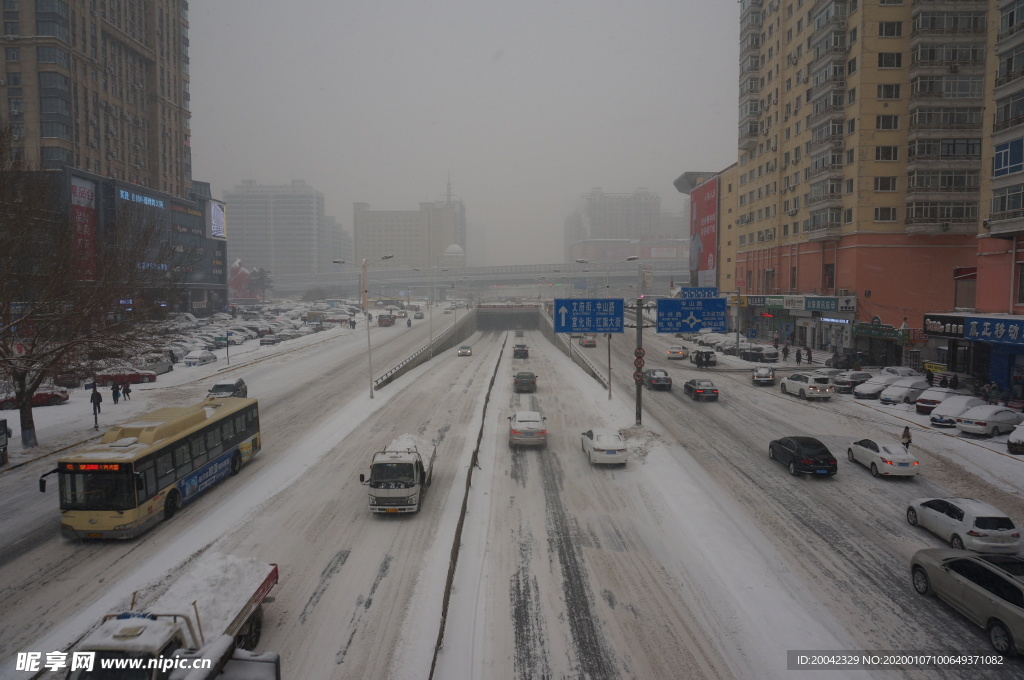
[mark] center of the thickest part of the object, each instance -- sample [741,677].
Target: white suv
[807,386]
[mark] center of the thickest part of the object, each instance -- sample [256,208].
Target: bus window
[198,450]
[182,460]
[213,442]
[165,469]
[240,423]
[227,430]
[146,471]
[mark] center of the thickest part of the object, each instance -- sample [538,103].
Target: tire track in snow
[363,604]
[328,572]
[531,651]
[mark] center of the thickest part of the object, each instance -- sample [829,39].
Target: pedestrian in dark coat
[807,350]
[96,399]
[785,353]
[126,391]
[944,382]
[799,356]
[929,377]
[906,439]
[954,382]
[115,391]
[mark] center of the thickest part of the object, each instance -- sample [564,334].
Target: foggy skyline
[527,105]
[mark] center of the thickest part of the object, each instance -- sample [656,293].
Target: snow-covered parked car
[988,419]
[934,396]
[944,415]
[199,357]
[1015,442]
[873,388]
[903,391]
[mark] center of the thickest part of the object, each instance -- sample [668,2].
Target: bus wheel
[172,504]
[236,464]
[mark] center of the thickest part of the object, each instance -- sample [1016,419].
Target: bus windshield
[97,491]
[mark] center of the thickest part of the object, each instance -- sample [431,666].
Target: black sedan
[699,388]
[804,455]
[657,379]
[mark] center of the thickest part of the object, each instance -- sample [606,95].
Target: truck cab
[400,475]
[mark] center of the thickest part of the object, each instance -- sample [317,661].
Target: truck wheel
[236,464]
[254,629]
[171,504]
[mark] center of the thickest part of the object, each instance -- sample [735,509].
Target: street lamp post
[607,269]
[430,303]
[369,348]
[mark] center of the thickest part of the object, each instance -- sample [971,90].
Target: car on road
[46,395]
[709,357]
[966,524]
[903,391]
[989,419]
[524,381]
[417,315]
[124,374]
[933,396]
[873,388]
[199,357]
[945,414]
[987,589]
[657,379]
[700,388]
[763,375]
[888,459]
[588,341]
[803,455]
[846,381]
[465,351]
[807,386]
[235,388]
[519,332]
[520,352]
[604,446]
[526,428]
[676,352]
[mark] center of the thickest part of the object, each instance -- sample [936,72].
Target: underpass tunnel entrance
[499,319]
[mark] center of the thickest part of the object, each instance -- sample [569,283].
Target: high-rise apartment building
[414,238]
[284,230]
[635,215]
[100,86]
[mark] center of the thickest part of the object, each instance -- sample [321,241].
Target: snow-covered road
[699,558]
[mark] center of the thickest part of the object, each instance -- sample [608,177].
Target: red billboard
[83,226]
[704,233]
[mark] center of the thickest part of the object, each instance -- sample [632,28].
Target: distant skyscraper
[101,87]
[283,229]
[630,216]
[415,238]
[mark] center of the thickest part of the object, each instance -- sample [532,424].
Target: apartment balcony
[958,31]
[749,136]
[1005,224]
[833,170]
[831,141]
[835,111]
[934,226]
[943,193]
[941,161]
[816,200]
[942,126]
[829,231]
[1008,123]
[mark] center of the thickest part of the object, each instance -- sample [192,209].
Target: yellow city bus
[144,470]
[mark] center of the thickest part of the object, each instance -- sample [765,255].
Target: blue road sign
[751,333]
[579,285]
[587,315]
[676,315]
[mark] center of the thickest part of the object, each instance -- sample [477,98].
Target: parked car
[769,355]
[124,374]
[657,379]
[46,395]
[807,386]
[417,315]
[903,391]
[966,524]
[677,352]
[465,351]
[710,358]
[526,428]
[827,372]
[520,352]
[237,388]
[945,414]
[873,388]
[604,446]
[933,396]
[902,371]
[199,357]
[987,589]
[988,419]
[752,353]
[803,455]
[890,459]
[524,381]
[699,388]
[763,375]
[268,339]
[846,381]
[588,341]
[1015,442]
[157,363]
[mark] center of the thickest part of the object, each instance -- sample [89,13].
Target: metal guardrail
[588,366]
[444,340]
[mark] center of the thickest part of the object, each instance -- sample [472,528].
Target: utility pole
[639,358]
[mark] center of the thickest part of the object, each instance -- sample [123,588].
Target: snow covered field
[700,558]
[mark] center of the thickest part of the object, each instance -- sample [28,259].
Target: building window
[1008,199]
[887,122]
[12,53]
[887,153]
[890,59]
[849,156]
[1020,284]
[848,216]
[1009,158]
[885,214]
[851,126]
[885,184]
[849,186]
[851,66]
[889,91]
[890,29]
[851,95]
[890,2]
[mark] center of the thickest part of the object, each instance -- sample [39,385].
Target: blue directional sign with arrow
[676,315]
[583,315]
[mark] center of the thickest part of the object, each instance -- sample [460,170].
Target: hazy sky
[527,104]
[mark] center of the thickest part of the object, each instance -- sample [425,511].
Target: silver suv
[238,388]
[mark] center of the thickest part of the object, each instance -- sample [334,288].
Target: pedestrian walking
[835,360]
[944,382]
[995,394]
[699,359]
[954,382]
[115,392]
[929,377]
[96,399]
[126,392]
[807,350]
[785,353]
[906,439]
[985,390]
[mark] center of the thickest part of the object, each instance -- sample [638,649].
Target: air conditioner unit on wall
[842,292]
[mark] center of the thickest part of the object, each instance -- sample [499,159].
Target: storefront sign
[1008,331]
[755,300]
[877,329]
[944,325]
[772,301]
[820,304]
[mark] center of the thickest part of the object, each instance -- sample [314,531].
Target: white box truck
[400,475]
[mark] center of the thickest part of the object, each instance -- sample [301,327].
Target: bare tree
[73,298]
[260,282]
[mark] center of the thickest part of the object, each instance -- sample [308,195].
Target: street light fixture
[369,350]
